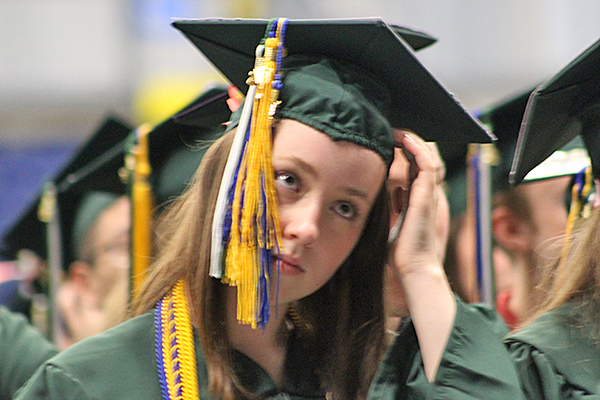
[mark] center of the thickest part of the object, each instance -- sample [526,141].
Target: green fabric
[340,100]
[176,174]
[556,358]
[117,364]
[120,364]
[22,350]
[474,365]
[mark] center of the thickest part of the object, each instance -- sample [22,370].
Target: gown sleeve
[475,363]
[22,350]
[116,364]
[50,383]
[541,381]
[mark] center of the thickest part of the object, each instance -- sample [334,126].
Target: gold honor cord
[174,347]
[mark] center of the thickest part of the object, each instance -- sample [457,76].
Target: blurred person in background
[527,222]
[557,350]
[101,279]
[95,293]
[41,238]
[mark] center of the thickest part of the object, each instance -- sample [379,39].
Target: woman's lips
[288,266]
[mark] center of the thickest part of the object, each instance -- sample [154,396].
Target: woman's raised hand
[415,257]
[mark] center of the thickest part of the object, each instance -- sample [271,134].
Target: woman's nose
[302,221]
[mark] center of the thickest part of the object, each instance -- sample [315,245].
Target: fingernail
[409,137]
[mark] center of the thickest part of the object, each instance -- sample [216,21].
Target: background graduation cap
[103,152]
[177,145]
[100,175]
[565,106]
[420,103]
[46,226]
[505,120]
[173,151]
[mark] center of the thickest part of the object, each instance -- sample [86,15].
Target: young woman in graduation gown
[324,337]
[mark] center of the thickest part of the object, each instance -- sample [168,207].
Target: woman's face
[325,191]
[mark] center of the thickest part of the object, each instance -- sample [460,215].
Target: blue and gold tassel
[246,223]
[580,208]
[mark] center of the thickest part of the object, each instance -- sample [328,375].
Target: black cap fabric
[417,40]
[504,120]
[566,105]
[177,145]
[417,101]
[94,167]
[338,99]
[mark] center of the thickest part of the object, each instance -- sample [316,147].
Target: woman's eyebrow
[303,165]
[356,193]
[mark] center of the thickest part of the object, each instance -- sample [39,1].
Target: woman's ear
[510,231]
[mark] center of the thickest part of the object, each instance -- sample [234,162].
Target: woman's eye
[346,210]
[286,179]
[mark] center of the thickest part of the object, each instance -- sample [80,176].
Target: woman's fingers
[416,243]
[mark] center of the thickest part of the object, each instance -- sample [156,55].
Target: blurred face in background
[546,228]
[529,223]
[548,214]
[95,295]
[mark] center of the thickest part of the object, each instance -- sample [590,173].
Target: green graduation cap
[566,105]
[161,163]
[504,120]
[418,101]
[51,224]
[94,166]
[82,195]
[177,145]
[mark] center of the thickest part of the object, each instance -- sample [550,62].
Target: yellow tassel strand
[249,209]
[142,204]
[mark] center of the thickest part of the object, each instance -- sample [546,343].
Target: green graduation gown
[22,350]
[474,364]
[120,364]
[556,357]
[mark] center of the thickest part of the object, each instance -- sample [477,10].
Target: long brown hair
[577,276]
[346,341]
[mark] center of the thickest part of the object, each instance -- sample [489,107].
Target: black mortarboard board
[564,106]
[176,146]
[504,120]
[94,166]
[101,175]
[417,40]
[419,101]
